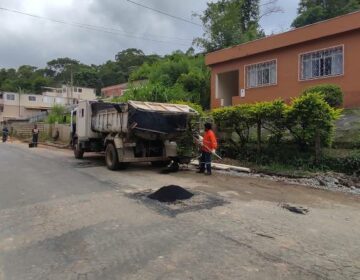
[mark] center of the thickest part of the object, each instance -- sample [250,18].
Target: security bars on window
[262,74]
[324,63]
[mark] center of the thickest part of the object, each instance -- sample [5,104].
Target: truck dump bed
[143,119]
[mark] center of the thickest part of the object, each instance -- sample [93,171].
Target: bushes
[349,165]
[58,114]
[332,94]
[268,116]
[273,132]
[310,117]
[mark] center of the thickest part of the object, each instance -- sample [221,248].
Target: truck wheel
[111,157]
[78,151]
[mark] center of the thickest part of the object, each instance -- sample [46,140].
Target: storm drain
[171,193]
[173,200]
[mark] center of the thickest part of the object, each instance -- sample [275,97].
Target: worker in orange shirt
[208,147]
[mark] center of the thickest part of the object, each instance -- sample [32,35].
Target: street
[62,218]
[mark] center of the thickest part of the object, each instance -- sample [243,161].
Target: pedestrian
[35,135]
[208,147]
[5,134]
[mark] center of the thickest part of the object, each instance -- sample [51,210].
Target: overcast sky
[33,41]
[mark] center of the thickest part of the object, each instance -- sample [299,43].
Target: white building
[15,106]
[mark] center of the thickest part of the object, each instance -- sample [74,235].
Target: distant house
[15,106]
[283,65]
[119,90]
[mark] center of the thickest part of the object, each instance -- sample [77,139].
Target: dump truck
[129,132]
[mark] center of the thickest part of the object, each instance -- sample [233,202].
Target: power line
[103,29]
[163,13]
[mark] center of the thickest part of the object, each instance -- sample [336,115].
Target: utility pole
[71,83]
[19,94]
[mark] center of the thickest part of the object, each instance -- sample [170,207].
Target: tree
[231,22]
[130,59]
[27,78]
[312,11]
[177,77]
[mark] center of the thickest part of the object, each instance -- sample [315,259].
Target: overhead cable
[97,28]
[164,13]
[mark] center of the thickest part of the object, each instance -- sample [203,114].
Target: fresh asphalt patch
[170,194]
[174,200]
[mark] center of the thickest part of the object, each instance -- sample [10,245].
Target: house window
[32,98]
[324,63]
[80,90]
[1,95]
[261,74]
[10,96]
[1,108]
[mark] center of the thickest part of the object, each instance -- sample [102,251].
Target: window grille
[262,74]
[324,63]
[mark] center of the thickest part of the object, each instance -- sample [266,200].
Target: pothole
[173,200]
[295,209]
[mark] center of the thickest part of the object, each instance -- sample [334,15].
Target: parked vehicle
[129,132]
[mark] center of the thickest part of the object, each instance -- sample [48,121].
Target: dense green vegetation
[59,115]
[280,136]
[308,117]
[332,94]
[312,11]
[230,22]
[176,77]
[58,71]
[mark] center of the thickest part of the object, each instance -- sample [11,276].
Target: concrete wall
[64,132]
[23,129]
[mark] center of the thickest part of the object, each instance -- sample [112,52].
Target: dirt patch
[171,193]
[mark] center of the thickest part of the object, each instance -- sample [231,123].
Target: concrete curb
[224,167]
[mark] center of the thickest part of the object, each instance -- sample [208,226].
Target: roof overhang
[37,107]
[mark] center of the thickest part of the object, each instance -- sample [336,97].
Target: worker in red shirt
[208,147]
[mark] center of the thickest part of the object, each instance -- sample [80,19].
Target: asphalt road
[67,219]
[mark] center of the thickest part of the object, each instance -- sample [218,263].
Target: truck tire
[78,151]
[111,157]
